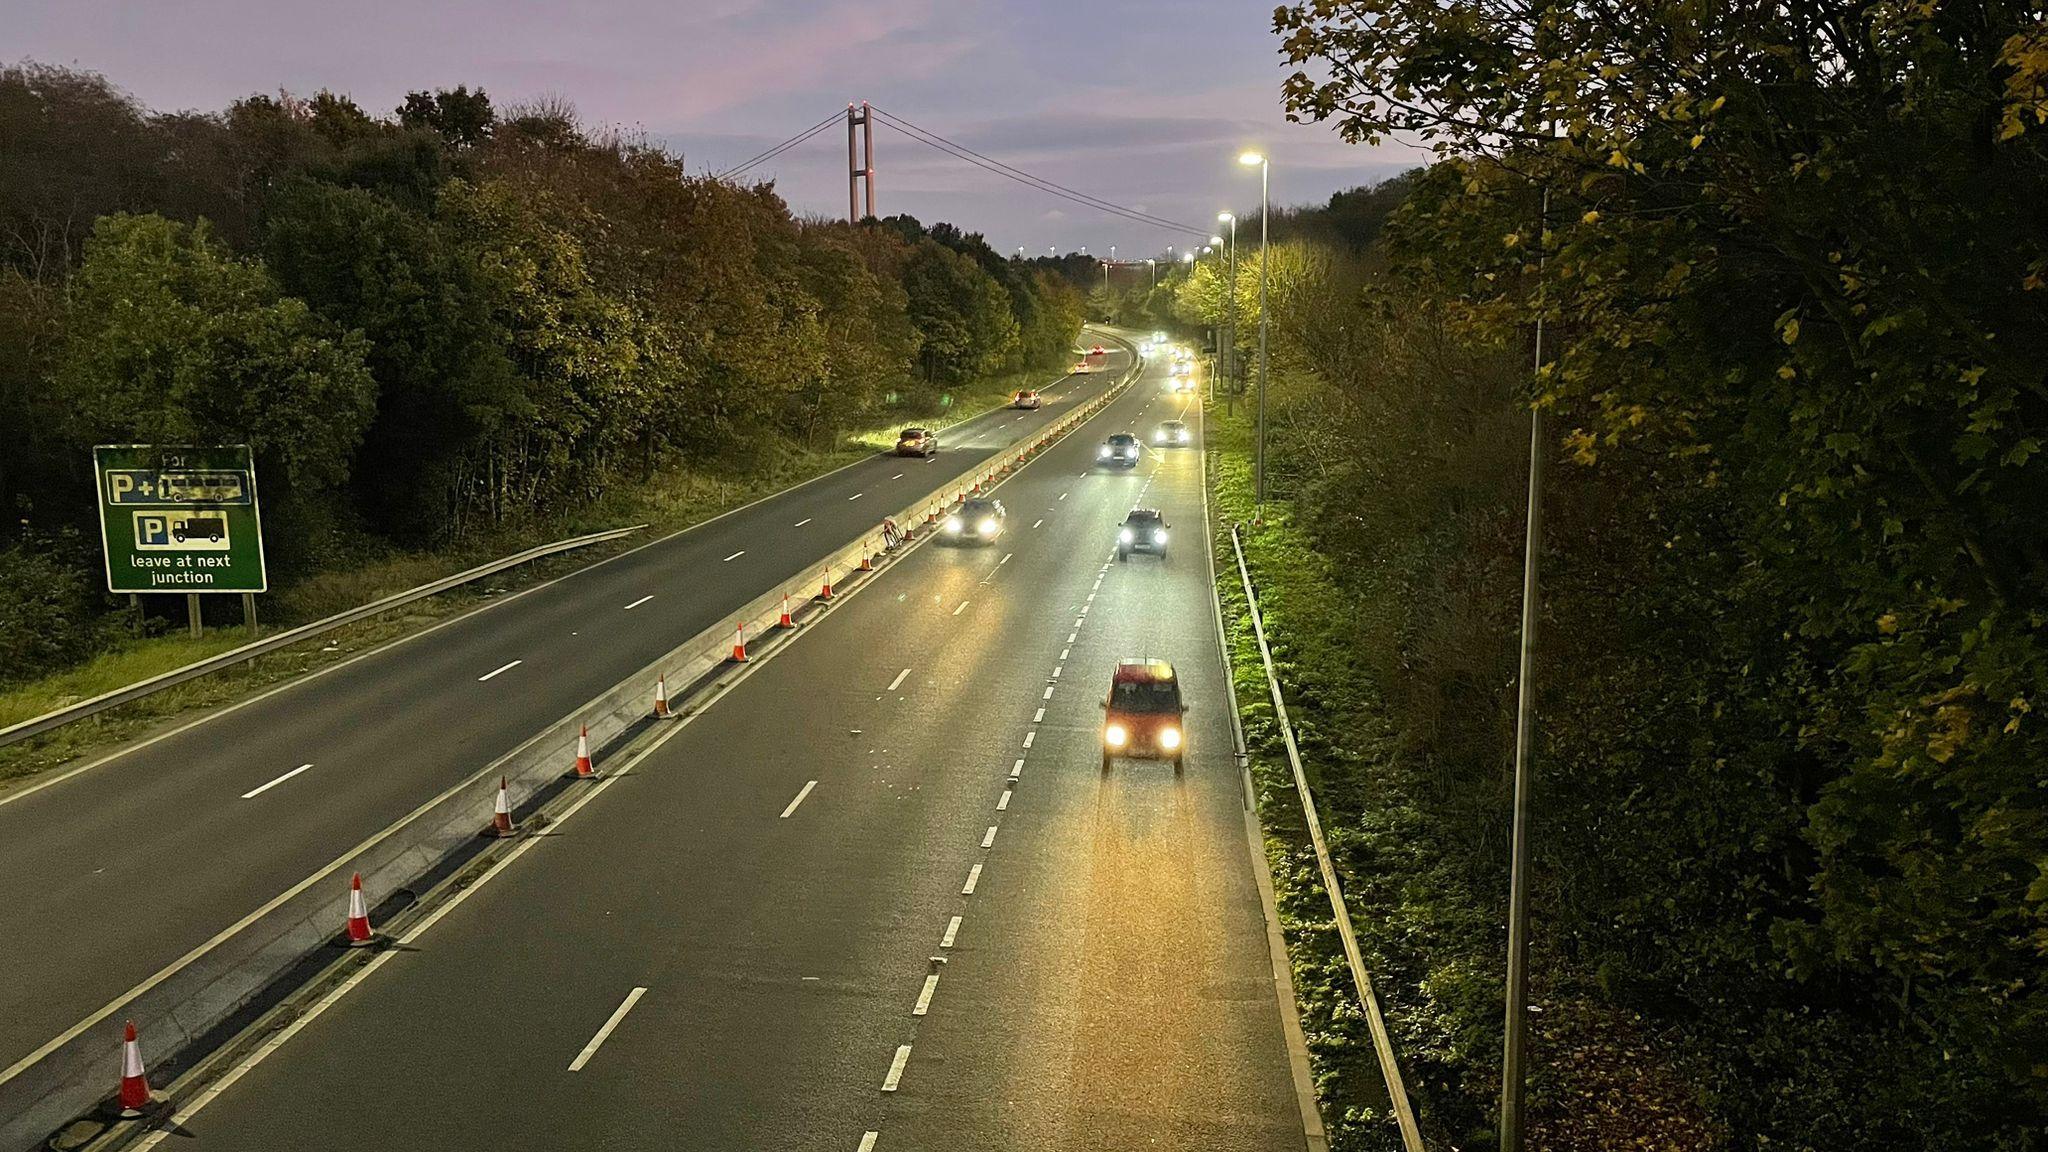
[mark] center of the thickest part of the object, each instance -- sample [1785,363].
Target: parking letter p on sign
[179,518]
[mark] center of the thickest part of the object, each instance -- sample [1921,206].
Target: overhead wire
[779,149]
[962,152]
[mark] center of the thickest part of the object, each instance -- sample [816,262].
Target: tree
[963,315]
[462,117]
[174,340]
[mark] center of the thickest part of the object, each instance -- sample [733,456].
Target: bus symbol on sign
[197,531]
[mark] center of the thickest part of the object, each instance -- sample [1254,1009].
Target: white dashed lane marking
[799,799]
[495,671]
[952,927]
[734,556]
[596,1041]
[898,681]
[802,522]
[260,789]
[973,878]
[895,1075]
[639,602]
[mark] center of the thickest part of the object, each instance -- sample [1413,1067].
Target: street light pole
[1512,1074]
[1259,460]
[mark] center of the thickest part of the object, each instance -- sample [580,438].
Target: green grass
[670,502]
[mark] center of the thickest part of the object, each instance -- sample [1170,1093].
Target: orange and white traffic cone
[825,588]
[661,697]
[866,564]
[739,644]
[785,622]
[134,1081]
[359,932]
[583,769]
[501,812]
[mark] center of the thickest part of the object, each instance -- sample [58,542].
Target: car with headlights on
[1144,530]
[1142,714]
[1170,434]
[917,442]
[976,521]
[1121,450]
[1027,398]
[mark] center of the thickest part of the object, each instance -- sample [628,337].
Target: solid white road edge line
[252,793]
[799,799]
[596,1041]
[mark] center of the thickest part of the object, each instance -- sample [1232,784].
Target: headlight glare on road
[987,527]
[1114,736]
[953,524]
[1169,738]
[1125,536]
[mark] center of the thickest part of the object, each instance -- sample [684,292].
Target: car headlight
[987,527]
[1104,451]
[1159,537]
[1124,536]
[1159,438]
[1114,736]
[1169,738]
[1183,437]
[952,524]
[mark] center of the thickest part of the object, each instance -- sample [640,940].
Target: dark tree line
[453,318]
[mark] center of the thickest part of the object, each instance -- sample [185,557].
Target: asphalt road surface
[111,874]
[730,945]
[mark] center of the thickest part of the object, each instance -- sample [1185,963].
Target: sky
[1144,103]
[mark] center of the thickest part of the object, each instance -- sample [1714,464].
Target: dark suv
[1143,531]
[976,521]
[1120,450]
[1142,716]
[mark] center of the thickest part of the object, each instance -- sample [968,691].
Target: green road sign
[179,519]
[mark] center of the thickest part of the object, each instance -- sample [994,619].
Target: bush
[49,608]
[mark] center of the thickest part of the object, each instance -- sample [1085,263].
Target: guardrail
[200,991]
[37,725]
[1383,1045]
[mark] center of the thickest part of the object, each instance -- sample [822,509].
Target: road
[730,944]
[115,872]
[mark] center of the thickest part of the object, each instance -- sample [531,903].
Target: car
[1170,433]
[1083,367]
[976,521]
[1120,450]
[1143,713]
[1159,337]
[1144,530]
[1096,351]
[1028,398]
[1183,385]
[917,442]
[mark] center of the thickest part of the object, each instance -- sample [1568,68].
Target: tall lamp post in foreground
[1215,245]
[1254,159]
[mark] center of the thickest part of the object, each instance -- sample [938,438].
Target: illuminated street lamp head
[1224,217]
[1187,257]
[1215,239]
[1251,159]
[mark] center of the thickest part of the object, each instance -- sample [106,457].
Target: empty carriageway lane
[780,874]
[112,874]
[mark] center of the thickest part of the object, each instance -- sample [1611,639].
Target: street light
[1253,159]
[1153,265]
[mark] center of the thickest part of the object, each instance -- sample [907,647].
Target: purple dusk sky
[1144,103]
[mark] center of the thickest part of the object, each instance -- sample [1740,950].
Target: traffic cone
[359,932]
[785,622]
[661,697]
[866,565]
[134,1081]
[501,812]
[583,769]
[739,644]
[825,589]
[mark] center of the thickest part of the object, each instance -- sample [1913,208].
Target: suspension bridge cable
[963,152]
[779,149]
